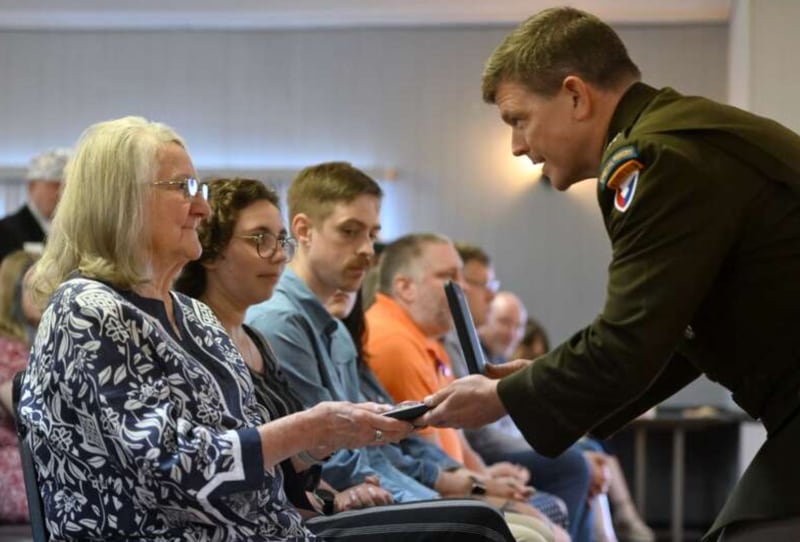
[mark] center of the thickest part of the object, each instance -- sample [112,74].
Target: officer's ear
[581,95]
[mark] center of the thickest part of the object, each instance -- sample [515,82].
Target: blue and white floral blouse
[139,434]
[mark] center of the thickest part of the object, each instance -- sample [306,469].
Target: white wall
[405,98]
[765,63]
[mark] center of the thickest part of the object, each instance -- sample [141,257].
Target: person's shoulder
[13,227]
[632,155]
[394,343]
[86,291]
[278,314]
[199,311]
[277,306]
[16,216]
[81,303]
[388,330]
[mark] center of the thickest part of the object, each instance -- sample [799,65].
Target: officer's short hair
[554,44]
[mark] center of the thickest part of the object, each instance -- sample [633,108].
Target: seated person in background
[27,228]
[245,249]
[139,409]
[18,320]
[503,327]
[568,476]
[629,525]
[534,341]
[334,215]
[349,308]
[409,315]
[315,352]
[499,336]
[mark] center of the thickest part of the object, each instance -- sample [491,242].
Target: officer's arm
[668,247]
[678,373]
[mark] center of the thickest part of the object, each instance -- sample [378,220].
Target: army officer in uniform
[701,202]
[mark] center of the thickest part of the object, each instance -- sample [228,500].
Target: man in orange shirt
[404,324]
[409,314]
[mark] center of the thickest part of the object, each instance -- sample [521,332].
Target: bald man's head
[505,325]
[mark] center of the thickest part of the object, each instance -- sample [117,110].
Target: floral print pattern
[14,503]
[141,433]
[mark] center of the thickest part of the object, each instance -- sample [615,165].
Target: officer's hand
[468,402]
[501,370]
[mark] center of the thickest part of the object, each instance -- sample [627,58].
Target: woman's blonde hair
[98,224]
[12,272]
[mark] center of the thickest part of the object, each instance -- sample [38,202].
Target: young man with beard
[334,215]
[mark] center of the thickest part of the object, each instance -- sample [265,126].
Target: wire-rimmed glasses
[189,185]
[267,244]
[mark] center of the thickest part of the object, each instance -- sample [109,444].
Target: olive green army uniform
[701,202]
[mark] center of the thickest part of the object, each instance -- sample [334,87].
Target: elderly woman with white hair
[139,410]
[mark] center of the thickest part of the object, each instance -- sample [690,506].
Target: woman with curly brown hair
[245,249]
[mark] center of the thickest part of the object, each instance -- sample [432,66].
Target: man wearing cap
[30,224]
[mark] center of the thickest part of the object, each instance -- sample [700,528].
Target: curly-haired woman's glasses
[267,244]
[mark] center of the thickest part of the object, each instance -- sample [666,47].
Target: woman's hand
[364,495]
[509,470]
[339,424]
[508,488]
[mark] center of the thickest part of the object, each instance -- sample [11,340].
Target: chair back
[35,505]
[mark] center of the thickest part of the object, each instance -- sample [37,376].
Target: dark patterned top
[139,434]
[273,393]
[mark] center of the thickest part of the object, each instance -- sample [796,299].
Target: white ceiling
[256,14]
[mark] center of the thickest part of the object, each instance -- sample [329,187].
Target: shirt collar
[630,106]
[39,217]
[295,288]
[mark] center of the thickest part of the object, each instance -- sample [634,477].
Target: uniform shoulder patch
[618,166]
[625,191]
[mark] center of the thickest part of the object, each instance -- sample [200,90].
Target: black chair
[35,505]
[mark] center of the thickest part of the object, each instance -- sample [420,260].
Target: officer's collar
[629,107]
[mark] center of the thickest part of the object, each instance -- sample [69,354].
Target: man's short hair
[49,165]
[316,189]
[403,256]
[554,44]
[470,253]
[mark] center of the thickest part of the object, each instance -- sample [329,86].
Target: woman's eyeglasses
[189,185]
[267,244]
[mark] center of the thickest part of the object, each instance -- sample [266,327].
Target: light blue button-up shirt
[318,357]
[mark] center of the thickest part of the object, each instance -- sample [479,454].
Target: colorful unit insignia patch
[622,173]
[626,191]
[621,157]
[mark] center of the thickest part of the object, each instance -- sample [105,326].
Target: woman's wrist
[313,451]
